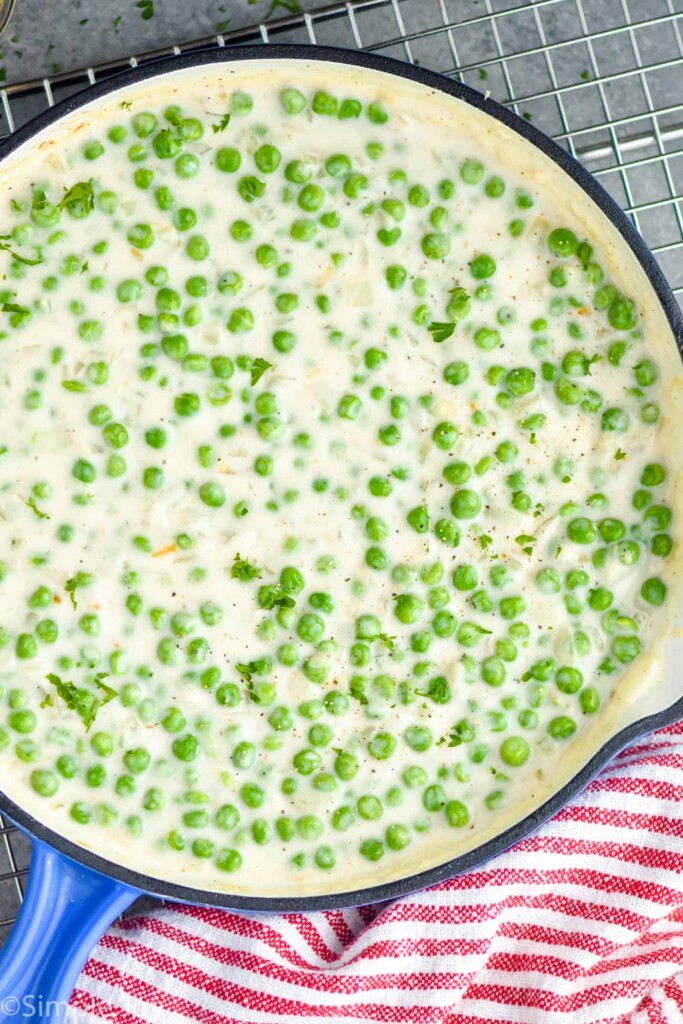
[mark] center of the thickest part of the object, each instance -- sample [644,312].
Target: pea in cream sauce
[334,512]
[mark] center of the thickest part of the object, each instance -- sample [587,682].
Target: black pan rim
[439,83]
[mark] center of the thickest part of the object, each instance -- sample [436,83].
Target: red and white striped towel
[582,923]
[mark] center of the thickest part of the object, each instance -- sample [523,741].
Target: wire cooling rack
[603,77]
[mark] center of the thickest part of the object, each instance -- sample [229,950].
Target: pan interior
[341,535]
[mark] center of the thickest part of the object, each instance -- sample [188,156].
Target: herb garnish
[258,667]
[258,368]
[440,331]
[271,596]
[85,703]
[460,302]
[31,502]
[222,124]
[244,571]
[388,641]
[79,199]
[81,579]
[292,6]
[146,8]
[39,201]
[357,690]
[251,188]
[12,307]
[526,543]
[15,255]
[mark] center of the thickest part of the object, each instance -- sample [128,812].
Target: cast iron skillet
[72,894]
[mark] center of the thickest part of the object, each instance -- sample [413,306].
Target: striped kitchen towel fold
[582,923]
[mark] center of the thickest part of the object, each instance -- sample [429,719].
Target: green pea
[520,381]
[307,761]
[418,196]
[628,552]
[47,631]
[486,339]
[96,776]
[457,814]
[563,242]
[197,248]
[212,494]
[447,532]
[141,236]
[414,777]
[408,608]
[336,702]
[445,435]
[252,795]
[646,373]
[434,798]
[26,646]
[482,266]
[548,581]
[80,813]
[567,392]
[129,291]
[657,517]
[615,420]
[653,591]
[581,531]
[44,782]
[226,817]
[346,765]
[561,727]
[494,187]
[185,747]
[600,599]
[653,475]
[310,628]
[67,766]
[493,671]
[228,159]
[465,504]
[293,101]
[173,720]
[589,700]
[397,837]
[418,737]
[228,860]
[568,679]
[471,171]
[370,808]
[324,104]
[436,246]
[622,314]
[137,760]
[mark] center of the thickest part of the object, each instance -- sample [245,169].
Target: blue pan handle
[66,910]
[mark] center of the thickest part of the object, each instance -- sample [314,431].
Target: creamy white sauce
[427,137]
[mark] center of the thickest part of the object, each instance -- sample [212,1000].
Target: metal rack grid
[603,77]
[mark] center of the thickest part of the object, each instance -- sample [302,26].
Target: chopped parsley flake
[258,368]
[146,8]
[243,570]
[31,502]
[441,331]
[84,702]
[222,124]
